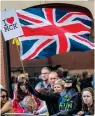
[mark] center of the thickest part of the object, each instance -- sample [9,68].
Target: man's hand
[80,113]
[36,113]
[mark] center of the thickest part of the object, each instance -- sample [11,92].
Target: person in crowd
[60,71]
[34,80]
[44,76]
[22,91]
[44,83]
[29,104]
[65,73]
[22,77]
[58,87]
[78,77]
[14,83]
[48,94]
[6,103]
[86,81]
[53,76]
[70,100]
[19,95]
[76,84]
[87,102]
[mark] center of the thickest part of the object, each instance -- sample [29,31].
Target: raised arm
[43,96]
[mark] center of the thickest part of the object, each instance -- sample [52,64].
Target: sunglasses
[3,96]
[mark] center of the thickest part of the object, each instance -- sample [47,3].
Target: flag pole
[21,62]
[17,43]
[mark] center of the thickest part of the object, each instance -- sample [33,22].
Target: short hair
[53,72]
[60,82]
[29,101]
[46,68]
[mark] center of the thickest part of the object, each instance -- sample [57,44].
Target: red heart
[10,20]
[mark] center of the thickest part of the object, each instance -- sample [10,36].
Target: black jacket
[51,99]
[85,82]
[75,100]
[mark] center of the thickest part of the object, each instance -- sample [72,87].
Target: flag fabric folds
[51,31]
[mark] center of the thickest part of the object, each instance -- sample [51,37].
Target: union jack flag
[51,31]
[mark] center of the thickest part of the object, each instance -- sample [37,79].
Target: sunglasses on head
[3,96]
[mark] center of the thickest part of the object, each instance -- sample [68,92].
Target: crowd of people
[53,93]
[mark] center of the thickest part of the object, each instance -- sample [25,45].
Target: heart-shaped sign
[10,20]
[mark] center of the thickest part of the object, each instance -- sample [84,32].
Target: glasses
[3,96]
[44,73]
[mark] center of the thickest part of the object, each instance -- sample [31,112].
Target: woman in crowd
[6,104]
[19,95]
[87,102]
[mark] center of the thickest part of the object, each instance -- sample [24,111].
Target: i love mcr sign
[10,24]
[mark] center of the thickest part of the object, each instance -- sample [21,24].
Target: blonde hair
[30,101]
[23,76]
[59,82]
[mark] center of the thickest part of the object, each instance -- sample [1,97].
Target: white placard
[10,24]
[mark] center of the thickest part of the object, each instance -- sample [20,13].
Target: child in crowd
[29,104]
[58,87]
[70,100]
